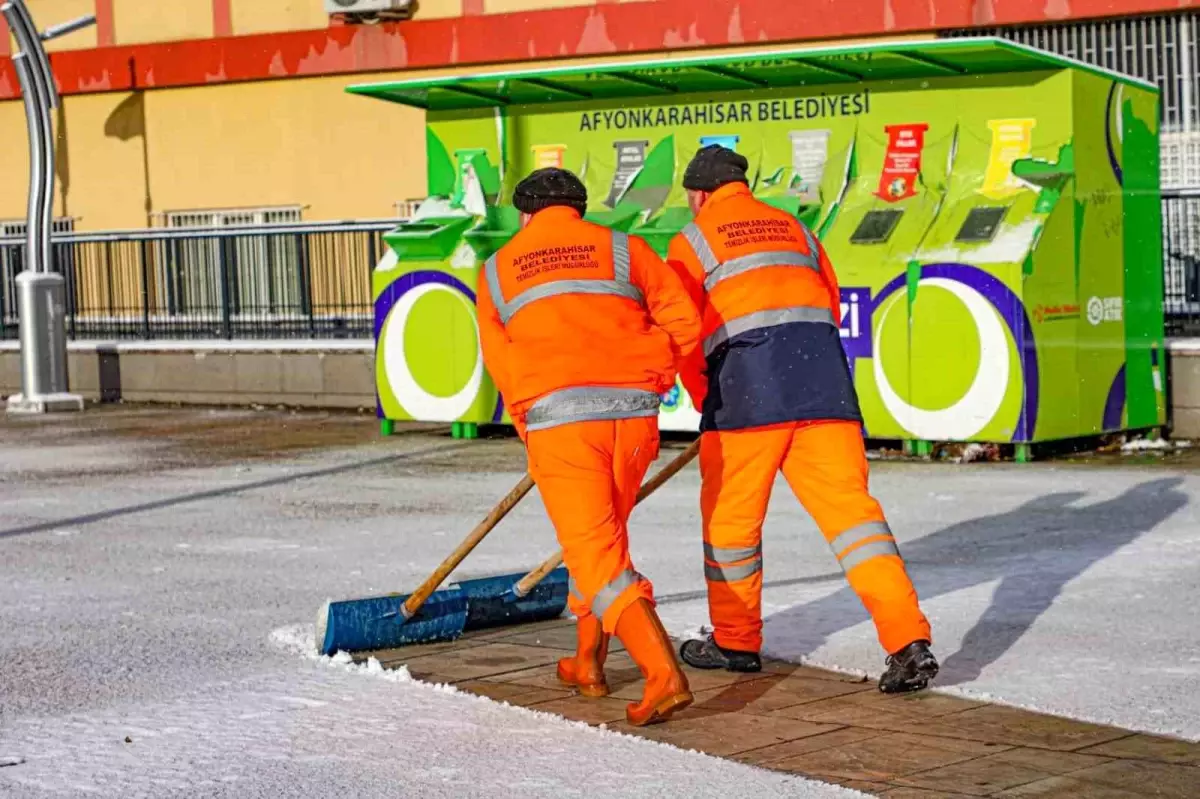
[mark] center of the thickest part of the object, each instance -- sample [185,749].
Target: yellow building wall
[507,6]
[14,162]
[46,13]
[296,142]
[141,21]
[102,171]
[438,9]
[100,176]
[268,16]
[510,6]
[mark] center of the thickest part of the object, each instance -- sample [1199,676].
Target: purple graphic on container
[1113,108]
[1114,403]
[392,294]
[857,326]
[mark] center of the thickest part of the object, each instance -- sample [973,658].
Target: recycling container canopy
[992,212]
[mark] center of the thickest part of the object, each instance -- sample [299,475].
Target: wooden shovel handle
[418,597]
[530,580]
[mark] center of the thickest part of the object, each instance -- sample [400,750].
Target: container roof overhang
[776,69]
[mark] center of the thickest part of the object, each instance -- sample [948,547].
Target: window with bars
[234,217]
[1163,49]
[17,227]
[252,275]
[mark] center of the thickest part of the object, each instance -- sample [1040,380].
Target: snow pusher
[430,614]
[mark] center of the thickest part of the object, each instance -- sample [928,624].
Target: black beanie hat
[714,166]
[544,188]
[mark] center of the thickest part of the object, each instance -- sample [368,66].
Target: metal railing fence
[314,280]
[1181,261]
[272,281]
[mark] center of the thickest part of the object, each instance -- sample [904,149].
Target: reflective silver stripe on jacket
[736,266]
[619,286]
[715,271]
[609,593]
[849,558]
[726,566]
[700,246]
[760,319]
[590,404]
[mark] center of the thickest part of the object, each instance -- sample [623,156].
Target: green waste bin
[660,229]
[493,231]
[992,211]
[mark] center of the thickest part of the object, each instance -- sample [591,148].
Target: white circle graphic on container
[418,402]
[979,405]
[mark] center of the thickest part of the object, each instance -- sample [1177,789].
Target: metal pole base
[44,403]
[43,347]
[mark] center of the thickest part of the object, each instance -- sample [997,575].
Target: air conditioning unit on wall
[369,10]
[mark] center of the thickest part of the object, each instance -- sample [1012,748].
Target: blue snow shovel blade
[356,625]
[491,601]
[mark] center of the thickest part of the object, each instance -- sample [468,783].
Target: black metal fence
[1181,261]
[314,280]
[277,281]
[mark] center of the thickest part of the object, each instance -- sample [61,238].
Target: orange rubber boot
[647,643]
[585,671]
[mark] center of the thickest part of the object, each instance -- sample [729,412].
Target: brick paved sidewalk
[828,726]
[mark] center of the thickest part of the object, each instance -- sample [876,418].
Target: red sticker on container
[902,162]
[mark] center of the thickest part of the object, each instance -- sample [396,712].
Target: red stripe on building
[222,13]
[106,27]
[553,33]
[5,39]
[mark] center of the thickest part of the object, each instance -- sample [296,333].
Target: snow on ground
[1065,589]
[149,604]
[142,579]
[330,728]
[1153,445]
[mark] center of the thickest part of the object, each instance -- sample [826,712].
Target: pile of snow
[300,639]
[1153,445]
[687,765]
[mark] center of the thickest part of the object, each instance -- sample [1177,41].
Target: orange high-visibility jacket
[770,305]
[578,322]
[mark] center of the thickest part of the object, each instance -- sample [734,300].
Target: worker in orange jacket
[775,393]
[582,329]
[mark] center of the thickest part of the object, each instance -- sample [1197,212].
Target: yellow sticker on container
[1011,139]
[548,155]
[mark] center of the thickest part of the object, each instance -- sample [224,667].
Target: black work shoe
[910,669]
[707,655]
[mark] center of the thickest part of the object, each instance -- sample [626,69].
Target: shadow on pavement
[199,496]
[1034,550]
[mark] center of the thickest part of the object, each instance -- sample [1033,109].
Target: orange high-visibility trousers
[588,474]
[825,464]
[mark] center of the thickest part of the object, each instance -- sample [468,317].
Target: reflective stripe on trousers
[619,286]
[849,555]
[590,404]
[609,593]
[715,270]
[727,565]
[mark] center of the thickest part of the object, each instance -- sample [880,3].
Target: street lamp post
[40,291]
